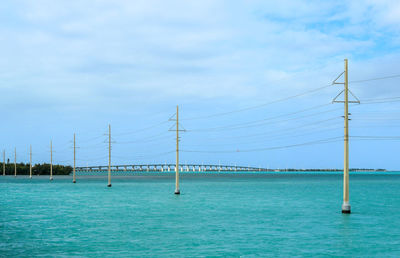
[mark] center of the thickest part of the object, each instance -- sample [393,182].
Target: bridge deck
[171,167]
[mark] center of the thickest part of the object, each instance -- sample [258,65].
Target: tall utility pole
[4,162]
[346,208]
[51,160]
[15,162]
[73,175]
[346,205]
[30,162]
[177,130]
[177,191]
[109,155]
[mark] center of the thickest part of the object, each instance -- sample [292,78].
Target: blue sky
[76,66]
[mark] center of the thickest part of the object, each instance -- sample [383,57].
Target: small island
[37,169]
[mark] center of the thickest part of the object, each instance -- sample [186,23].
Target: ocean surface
[240,215]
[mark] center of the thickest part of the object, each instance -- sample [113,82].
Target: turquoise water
[216,215]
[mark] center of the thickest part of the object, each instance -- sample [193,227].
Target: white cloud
[79,52]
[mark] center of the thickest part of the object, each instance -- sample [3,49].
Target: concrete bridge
[170,168]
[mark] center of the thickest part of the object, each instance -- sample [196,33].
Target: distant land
[44,169]
[330,170]
[37,169]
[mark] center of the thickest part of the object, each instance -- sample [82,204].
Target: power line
[97,145]
[147,139]
[380,99]
[263,123]
[328,140]
[267,119]
[287,98]
[259,106]
[377,78]
[376,119]
[380,102]
[143,129]
[270,137]
[280,130]
[377,137]
[145,155]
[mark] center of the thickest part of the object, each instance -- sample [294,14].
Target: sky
[249,78]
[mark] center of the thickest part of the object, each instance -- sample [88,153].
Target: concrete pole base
[346,208]
[109,185]
[177,191]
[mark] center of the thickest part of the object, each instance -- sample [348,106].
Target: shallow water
[275,214]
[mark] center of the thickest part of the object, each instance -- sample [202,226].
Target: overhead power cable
[377,119]
[319,123]
[381,102]
[93,146]
[144,155]
[262,122]
[147,139]
[90,139]
[377,137]
[259,106]
[93,159]
[380,99]
[141,130]
[377,78]
[287,98]
[267,137]
[328,140]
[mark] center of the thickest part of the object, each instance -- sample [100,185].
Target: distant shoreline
[116,172]
[239,171]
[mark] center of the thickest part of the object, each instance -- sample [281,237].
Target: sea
[216,215]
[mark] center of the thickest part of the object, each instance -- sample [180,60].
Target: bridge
[170,168]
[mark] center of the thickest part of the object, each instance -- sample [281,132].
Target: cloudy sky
[76,66]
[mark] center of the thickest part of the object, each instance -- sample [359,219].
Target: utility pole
[177,191]
[109,155]
[51,160]
[177,130]
[15,162]
[4,162]
[73,175]
[30,162]
[346,208]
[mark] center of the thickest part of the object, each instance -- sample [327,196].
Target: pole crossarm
[337,78]
[357,101]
